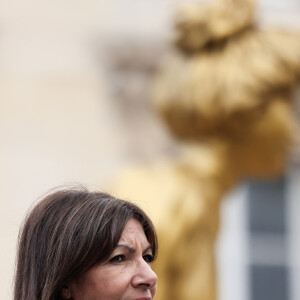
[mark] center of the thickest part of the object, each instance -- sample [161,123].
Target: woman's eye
[117,259]
[148,258]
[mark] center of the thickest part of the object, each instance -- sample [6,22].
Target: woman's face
[126,275]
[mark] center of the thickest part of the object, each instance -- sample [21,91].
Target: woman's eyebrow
[129,249]
[147,249]
[132,250]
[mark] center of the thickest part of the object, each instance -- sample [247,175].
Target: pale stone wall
[57,123]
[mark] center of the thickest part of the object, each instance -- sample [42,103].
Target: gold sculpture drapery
[225,92]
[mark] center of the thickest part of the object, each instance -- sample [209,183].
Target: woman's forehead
[133,232]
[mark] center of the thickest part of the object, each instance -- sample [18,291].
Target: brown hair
[66,234]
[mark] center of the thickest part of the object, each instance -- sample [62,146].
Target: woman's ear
[66,293]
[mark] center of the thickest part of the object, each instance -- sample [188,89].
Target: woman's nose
[144,276]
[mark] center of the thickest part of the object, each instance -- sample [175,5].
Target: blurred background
[74,107]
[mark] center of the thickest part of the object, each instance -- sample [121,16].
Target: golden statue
[225,92]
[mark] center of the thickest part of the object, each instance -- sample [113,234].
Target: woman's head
[68,233]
